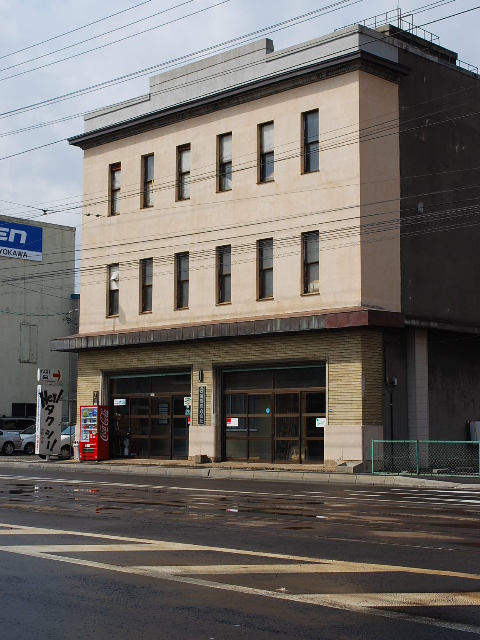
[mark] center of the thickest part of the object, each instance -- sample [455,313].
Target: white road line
[148,544]
[370,603]
[343,602]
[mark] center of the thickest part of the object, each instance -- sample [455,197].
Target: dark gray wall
[439,164]
[395,366]
[453,384]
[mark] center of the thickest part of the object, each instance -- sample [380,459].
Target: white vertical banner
[48,440]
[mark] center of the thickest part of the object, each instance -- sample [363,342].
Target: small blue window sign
[267,410]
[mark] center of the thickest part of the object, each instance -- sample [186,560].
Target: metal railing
[426,457]
[467,66]
[401,20]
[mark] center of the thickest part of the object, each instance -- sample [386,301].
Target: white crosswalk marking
[253,563]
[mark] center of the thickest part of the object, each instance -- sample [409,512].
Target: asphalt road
[95,556]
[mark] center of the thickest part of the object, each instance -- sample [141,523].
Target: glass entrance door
[148,415]
[276,424]
[153,426]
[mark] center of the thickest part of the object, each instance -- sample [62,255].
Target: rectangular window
[113,289]
[182,279]
[146,269]
[310,142]
[266,151]
[115,176]
[225,162]
[224,271]
[265,268]
[310,262]
[147,170]
[183,172]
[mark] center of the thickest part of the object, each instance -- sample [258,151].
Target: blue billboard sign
[20,241]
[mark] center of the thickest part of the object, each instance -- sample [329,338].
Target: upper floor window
[310,262]
[224,272]
[147,170]
[310,142]
[265,268]
[146,272]
[113,289]
[225,162]
[183,172]
[265,134]
[182,279]
[115,176]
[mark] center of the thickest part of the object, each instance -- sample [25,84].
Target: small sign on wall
[202,392]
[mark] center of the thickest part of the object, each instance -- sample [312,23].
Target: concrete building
[284,238]
[37,265]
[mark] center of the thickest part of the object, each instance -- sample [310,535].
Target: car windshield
[29,430]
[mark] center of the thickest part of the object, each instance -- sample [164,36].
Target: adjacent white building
[37,304]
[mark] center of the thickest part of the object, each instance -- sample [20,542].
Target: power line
[337,232]
[66,33]
[361,127]
[100,35]
[181,59]
[108,44]
[453,15]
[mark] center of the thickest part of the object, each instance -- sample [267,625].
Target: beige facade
[335,323]
[352,271]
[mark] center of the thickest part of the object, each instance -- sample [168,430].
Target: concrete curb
[269,475]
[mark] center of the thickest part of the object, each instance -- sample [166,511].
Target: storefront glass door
[281,424]
[149,417]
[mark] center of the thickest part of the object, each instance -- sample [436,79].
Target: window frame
[182,283]
[146,288]
[114,191]
[224,165]
[262,270]
[266,157]
[147,182]
[309,145]
[224,274]
[183,177]
[308,285]
[113,292]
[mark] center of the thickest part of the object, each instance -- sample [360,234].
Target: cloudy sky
[52,48]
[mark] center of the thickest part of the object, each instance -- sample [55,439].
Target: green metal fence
[426,457]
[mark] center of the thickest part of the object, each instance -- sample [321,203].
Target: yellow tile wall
[350,355]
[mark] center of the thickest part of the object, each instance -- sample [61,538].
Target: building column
[203,437]
[417,385]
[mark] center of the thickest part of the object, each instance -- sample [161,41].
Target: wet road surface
[85,556]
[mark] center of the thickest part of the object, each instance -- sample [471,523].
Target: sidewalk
[237,471]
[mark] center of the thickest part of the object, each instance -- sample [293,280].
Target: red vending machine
[93,443]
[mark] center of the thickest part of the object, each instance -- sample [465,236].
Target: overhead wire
[226,45]
[100,35]
[66,33]
[34,148]
[335,233]
[210,203]
[103,46]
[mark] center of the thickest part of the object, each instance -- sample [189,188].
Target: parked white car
[10,442]
[28,440]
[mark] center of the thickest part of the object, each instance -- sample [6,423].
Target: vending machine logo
[103,423]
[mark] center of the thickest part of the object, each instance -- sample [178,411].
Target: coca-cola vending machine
[93,443]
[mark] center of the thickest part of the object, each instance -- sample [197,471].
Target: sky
[51,48]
